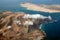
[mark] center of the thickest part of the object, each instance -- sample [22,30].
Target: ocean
[52,29]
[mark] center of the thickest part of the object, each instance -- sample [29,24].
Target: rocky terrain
[42,7]
[21,26]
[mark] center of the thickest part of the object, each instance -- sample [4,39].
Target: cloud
[36,16]
[43,8]
[40,18]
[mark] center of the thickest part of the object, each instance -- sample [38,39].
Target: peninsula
[21,26]
[43,7]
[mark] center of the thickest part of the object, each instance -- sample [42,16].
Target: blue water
[52,29]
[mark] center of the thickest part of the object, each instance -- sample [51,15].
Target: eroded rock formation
[15,26]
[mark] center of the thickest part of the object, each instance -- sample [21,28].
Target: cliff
[19,26]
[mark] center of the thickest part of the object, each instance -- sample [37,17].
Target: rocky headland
[21,26]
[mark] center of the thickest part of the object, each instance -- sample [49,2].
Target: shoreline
[43,8]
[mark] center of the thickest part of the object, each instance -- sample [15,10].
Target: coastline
[24,26]
[43,8]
